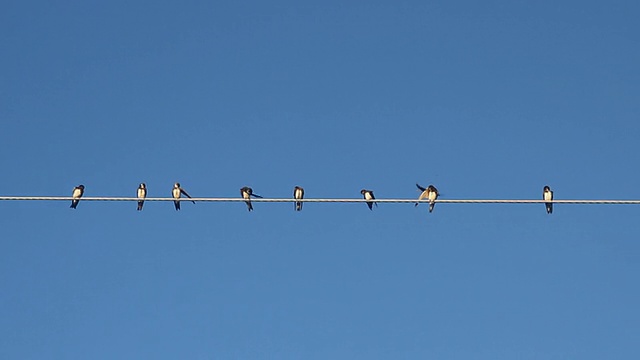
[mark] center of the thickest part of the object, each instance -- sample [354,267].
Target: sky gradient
[485,99]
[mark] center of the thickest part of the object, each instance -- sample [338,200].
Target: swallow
[77,194]
[431,193]
[547,195]
[247,193]
[298,193]
[142,193]
[368,195]
[176,192]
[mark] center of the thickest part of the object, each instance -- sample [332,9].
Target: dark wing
[258,196]
[185,194]
[420,187]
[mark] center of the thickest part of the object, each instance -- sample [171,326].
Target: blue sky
[488,99]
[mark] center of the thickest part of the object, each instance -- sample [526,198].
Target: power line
[328,200]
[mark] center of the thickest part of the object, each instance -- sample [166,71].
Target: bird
[142,193]
[247,193]
[547,195]
[368,195]
[431,193]
[77,194]
[177,190]
[298,193]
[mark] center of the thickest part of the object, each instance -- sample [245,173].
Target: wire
[284,200]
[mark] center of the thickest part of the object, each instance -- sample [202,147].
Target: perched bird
[142,193]
[368,195]
[547,195]
[77,194]
[431,193]
[298,193]
[176,192]
[247,193]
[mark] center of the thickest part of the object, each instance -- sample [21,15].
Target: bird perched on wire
[430,193]
[547,195]
[247,193]
[368,195]
[76,194]
[142,193]
[176,192]
[298,193]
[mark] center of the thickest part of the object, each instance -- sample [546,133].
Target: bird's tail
[177,205]
[549,208]
[74,204]
[431,206]
[249,206]
[140,203]
[298,206]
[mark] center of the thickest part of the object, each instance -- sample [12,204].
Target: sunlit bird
[247,193]
[368,195]
[547,195]
[78,191]
[142,193]
[430,193]
[298,193]
[177,192]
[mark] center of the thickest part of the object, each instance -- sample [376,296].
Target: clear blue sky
[490,99]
